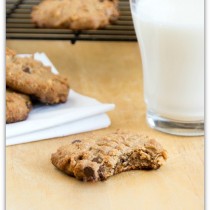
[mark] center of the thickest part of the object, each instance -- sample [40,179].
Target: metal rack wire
[20,26]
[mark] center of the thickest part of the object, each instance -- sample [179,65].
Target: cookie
[18,106]
[31,77]
[75,14]
[99,158]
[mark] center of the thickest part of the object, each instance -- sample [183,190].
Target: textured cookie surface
[10,54]
[98,159]
[18,106]
[75,14]
[29,76]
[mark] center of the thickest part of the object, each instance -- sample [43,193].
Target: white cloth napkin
[79,114]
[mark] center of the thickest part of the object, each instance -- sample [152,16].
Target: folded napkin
[79,114]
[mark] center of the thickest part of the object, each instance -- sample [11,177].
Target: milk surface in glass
[171,38]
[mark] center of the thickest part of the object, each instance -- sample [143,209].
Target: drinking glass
[170,34]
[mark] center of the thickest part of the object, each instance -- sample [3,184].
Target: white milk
[171,38]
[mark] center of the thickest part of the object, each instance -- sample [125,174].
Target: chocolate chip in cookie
[76,141]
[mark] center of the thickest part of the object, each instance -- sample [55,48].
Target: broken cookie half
[96,159]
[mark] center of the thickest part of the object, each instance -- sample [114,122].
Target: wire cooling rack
[20,26]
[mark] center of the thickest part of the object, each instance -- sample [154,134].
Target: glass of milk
[170,34]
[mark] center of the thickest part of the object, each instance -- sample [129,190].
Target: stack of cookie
[26,78]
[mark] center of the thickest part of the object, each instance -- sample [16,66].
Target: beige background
[110,72]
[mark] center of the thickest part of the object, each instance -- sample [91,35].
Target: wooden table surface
[110,72]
